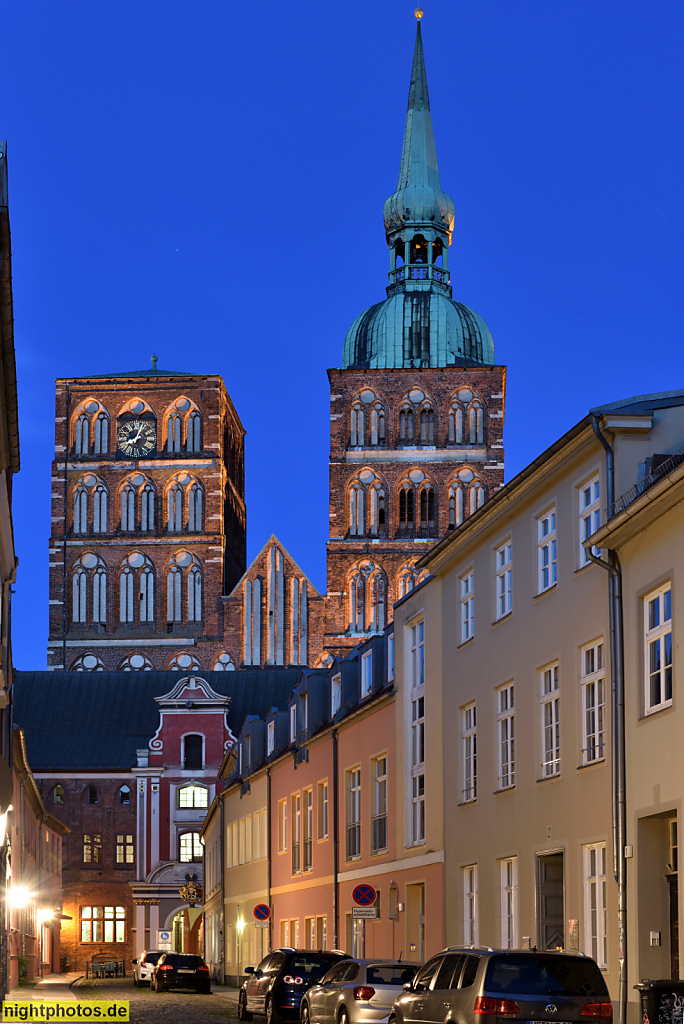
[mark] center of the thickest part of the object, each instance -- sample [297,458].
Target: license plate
[188,970]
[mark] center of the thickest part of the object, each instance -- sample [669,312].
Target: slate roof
[97,720]
[141,373]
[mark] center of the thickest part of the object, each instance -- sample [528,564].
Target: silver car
[356,992]
[144,965]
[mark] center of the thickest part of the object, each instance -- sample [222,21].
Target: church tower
[417,409]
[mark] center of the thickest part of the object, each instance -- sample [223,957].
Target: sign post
[262,914]
[164,939]
[364,895]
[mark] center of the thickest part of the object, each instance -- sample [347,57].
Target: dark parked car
[479,985]
[275,988]
[180,970]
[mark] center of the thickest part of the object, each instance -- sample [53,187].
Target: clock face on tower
[137,438]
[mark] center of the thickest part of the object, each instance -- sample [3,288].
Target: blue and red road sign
[364,895]
[262,912]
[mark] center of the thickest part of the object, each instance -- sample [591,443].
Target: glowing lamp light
[20,896]
[240,925]
[45,915]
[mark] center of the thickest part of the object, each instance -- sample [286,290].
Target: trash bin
[662,1002]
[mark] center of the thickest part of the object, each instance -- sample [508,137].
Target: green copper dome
[423,328]
[419,324]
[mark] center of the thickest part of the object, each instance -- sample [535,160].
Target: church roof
[143,373]
[96,721]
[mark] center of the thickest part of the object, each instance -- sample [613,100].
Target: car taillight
[166,967]
[487,1004]
[604,1011]
[364,992]
[203,967]
[289,980]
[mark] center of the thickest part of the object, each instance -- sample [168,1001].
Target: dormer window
[304,716]
[270,738]
[366,674]
[293,723]
[192,752]
[336,694]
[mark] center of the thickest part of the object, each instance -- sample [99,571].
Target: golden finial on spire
[418,12]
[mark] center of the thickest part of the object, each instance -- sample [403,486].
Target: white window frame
[593,688]
[595,918]
[589,511]
[293,723]
[366,674]
[504,579]
[509,902]
[467,588]
[415,780]
[658,648]
[323,810]
[549,678]
[547,551]
[270,738]
[335,693]
[390,657]
[469,740]
[505,721]
[470,905]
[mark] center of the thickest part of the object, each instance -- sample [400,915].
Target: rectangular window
[92,849]
[470,923]
[310,932]
[593,703]
[595,941]
[504,579]
[546,550]
[353,813]
[103,924]
[550,712]
[125,851]
[415,781]
[270,738]
[418,808]
[282,826]
[293,723]
[658,640]
[234,843]
[321,933]
[296,832]
[509,903]
[390,656]
[322,810]
[467,606]
[469,752]
[589,515]
[506,726]
[417,654]
[379,823]
[304,716]
[366,674]
[308,831]
[336,694]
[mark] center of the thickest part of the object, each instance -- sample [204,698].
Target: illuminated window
[92,849]
[190,848]
[103,924]
[193,796]
[125,852]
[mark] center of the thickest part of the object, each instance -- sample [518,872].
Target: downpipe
[618,754]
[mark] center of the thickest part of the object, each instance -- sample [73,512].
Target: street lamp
[240,929]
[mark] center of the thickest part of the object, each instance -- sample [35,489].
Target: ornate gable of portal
[192,694]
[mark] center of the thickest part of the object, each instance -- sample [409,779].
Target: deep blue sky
[205,180]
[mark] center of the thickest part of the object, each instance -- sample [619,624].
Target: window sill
[415,844]
[379,853]
[549,778]
[649,712]
[353,860]
[467,803]
[591,764]
[543,593]
[504,789]
[463,643]
[503,618]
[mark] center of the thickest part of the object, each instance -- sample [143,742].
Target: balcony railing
[631,495]
[419,272]
[379,833]
[308,854]
[296,860]
[354,840]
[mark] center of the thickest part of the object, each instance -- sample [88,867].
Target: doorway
[550,901]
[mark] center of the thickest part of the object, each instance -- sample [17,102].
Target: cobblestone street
[148,1007]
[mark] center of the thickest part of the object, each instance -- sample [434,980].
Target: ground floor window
[595,940]
[103,924]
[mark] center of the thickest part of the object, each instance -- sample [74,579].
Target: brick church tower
[416,411]
[148,521]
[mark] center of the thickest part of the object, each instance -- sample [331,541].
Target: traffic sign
[365,913]
[262,912]
[364,895]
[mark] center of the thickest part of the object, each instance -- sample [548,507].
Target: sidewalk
[52,986]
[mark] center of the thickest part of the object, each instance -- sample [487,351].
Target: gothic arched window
[195,509]
[126,591]
[456,423]
[127,508]
[80,595]
[87,663]
[100,509]
[147,594]
[175,516]
[183,663]
[427,425]
[173,432]
[101,434]
[377,424]
[135,663]
[367,598]
[223,663]
[80,509]
[195,595]
[193,431]
[358,425]
[174,612]
[100,594]
[147,508]
[356,511]
[82,435]
[377,509]
[466,493]
[475,422]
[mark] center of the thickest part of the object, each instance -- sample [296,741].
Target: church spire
[419,155]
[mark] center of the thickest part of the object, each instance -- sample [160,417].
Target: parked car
[180,970]
[144,965]
[356,992]
[276,987]
[480,985]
